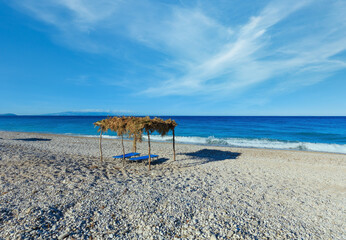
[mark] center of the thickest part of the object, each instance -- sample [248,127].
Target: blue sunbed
[143,157]
[127,155]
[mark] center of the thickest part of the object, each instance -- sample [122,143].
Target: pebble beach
[56,187]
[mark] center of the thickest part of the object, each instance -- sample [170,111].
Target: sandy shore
[55,187]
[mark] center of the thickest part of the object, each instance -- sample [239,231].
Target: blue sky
[227,57]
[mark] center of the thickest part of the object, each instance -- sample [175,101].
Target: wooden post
[149,149]
[122,143]
[101,145]
[173,145]
[134,148]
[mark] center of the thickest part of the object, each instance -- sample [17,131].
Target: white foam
[110,137]
[257,143]
[247,143]
[96,136]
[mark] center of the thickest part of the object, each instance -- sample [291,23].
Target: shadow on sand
[33,139]
[159,161]
[153,161]
[207,155]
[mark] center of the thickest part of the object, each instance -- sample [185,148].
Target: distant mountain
[8,114]
[86,114]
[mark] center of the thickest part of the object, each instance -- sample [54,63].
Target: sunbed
[127,155]
[143,157]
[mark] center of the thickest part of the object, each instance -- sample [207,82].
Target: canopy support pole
[122,143]
[101,146]
[173,145]
[149,149]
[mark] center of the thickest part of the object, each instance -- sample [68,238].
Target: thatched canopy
[102,125]
[135,126]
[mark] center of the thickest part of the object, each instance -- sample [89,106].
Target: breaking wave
[247,143]
[257,143]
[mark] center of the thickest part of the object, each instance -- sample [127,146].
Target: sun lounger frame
[127,155]
[143,157]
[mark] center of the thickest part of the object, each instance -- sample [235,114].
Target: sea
[321,134]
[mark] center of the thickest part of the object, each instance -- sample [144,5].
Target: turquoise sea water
[326,134]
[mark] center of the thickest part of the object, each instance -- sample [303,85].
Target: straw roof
[102,125]
[135,126]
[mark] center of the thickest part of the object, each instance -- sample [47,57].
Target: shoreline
[177,142]
[54,186]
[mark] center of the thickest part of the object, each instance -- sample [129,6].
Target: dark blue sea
[325,134]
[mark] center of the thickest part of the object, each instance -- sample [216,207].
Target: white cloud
[236,63]
[205,55]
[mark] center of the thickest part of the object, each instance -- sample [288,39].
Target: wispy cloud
[250,58]
[202,55]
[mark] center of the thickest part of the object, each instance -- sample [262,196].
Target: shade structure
[134,127]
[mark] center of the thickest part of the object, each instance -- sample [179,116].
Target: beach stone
[64,235]
[213,237]
[277,192]
[28,210]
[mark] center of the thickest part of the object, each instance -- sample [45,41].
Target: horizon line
[152,115]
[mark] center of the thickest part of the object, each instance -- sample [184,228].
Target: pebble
[64,235]
[213,237]
[230,233]
[101,202]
